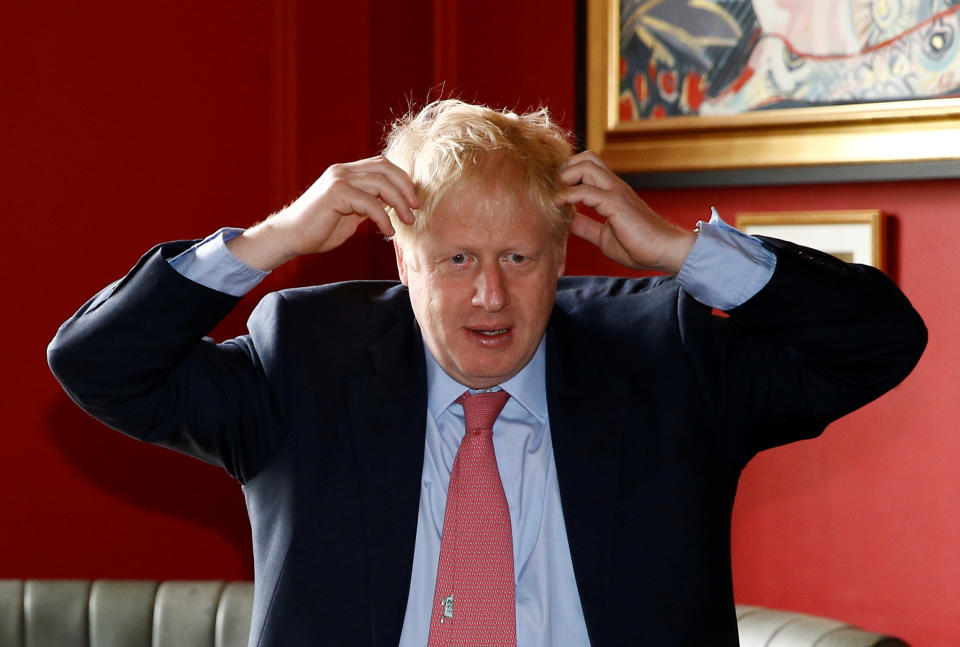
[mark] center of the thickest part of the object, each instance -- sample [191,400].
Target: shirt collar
[528,387]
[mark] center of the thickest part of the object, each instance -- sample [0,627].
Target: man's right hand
[329,212]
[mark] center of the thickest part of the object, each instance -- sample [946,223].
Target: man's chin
[486,375]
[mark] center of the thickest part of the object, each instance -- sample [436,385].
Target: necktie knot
[480,410]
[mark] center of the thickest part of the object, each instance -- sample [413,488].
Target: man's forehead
[486,191]
[493,201]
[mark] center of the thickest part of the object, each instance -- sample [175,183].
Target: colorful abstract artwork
[727,57]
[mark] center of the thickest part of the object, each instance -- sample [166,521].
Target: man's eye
[459,259]
[516,258]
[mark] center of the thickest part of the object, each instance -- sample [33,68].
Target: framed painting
[851,236]
[704,85]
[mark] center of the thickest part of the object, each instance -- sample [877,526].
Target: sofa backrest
[761,627]
[124,613]
[211,613]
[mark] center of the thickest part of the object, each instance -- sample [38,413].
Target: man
[629,408]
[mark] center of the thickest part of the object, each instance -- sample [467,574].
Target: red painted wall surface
[124,125]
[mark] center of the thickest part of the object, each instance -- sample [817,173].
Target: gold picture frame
[925,130]
[855,236]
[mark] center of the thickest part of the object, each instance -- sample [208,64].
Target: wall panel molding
[285,101]
[446,46]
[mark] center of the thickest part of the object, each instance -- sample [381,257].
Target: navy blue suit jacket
[655,407]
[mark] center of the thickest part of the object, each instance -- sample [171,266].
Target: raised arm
[809,338]
[135,355]
[329,212]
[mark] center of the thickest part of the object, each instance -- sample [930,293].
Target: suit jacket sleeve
[136,358]
[820,340]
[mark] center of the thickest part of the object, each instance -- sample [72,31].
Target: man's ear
[401,266]
[562,257]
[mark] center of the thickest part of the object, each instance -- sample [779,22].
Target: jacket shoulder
[353,303]
[616,302]
[336,322]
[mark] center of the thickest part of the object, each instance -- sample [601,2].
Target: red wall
[125,125]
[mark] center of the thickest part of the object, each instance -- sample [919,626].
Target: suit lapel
[587,408]
[388,413]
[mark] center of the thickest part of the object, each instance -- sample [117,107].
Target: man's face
[482,279]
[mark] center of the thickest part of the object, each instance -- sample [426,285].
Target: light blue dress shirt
[724,269]
[548,604]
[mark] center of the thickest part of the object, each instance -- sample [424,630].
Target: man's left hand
[632,233]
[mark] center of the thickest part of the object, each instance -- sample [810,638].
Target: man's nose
[490,292]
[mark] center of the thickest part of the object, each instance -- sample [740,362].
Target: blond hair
[450,144]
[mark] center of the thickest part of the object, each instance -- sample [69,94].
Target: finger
[601,200]
[394,173]
[357,201]
[601,235]
[586,228]
[587,171]
[380,186]
[383,186]
[587,155]
[584,156]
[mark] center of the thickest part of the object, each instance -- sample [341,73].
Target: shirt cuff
[726,267]
[212,265]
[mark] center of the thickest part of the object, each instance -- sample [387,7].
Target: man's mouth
[493,333]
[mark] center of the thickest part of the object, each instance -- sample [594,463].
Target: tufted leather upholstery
[131,613]
[124,613]
[760,627]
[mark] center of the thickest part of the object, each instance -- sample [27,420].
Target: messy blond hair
[451,144]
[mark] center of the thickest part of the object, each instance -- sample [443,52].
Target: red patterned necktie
[474,600]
